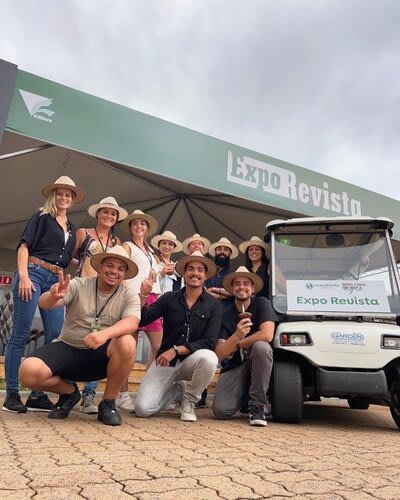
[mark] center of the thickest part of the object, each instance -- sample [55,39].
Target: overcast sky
[311,82]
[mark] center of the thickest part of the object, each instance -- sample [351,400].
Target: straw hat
[64,182]
[226,243]
[168,236]
[138,214]
[254,240]
[196,257]
[195,237]
[118,251]
[242,272]
[109,202]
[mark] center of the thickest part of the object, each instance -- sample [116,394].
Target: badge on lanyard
[95,326]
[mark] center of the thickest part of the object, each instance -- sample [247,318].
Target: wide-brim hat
[254,240]
[109,202]
[226,243]
[64,182]
[243,272]
[167,236]
[196,257]
[195,237]
[119,252]
[138,214]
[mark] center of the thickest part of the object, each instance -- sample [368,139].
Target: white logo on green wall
[269,178]
[36,105]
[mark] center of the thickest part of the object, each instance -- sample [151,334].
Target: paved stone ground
[336,453]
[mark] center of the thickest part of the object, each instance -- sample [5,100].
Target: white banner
[337,296]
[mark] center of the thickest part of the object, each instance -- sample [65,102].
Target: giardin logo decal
[36,105]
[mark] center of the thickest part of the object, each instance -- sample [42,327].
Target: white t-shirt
[143,263]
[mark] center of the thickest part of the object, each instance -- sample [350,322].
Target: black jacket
[197,328]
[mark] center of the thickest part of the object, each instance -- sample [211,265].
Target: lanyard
[148,255]
[108,237]
[97,314]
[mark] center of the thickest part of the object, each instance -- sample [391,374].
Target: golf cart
[335,286]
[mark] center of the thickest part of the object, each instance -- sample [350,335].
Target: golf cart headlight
[391,342]
[294,339]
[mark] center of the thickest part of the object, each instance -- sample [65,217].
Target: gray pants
[158,389]
[251,379]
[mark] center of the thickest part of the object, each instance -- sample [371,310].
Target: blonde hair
[50,206]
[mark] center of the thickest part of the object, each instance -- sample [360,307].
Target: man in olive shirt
[96,340]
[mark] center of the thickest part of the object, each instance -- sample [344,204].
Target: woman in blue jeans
[45,248]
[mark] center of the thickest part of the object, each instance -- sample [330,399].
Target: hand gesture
[169,269]
[146,287]
[59,290]
[95,339]
[214,292]
[25,288]
[166,357]
[243,328]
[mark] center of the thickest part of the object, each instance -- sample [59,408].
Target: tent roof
[189,181]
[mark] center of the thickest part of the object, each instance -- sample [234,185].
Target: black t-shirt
[261,311]
[46,239]
[263,273]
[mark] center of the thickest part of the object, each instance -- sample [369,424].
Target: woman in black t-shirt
[46,247]
[257,261]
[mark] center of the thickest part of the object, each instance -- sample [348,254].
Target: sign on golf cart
[337,296]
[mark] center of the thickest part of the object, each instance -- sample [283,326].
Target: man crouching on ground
[248,326]
[192,319]
[96,340]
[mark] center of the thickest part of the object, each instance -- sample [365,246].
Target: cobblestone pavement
[336,453]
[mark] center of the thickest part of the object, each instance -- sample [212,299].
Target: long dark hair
[264,258]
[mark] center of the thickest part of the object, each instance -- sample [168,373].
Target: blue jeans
[90,388]
[23,315]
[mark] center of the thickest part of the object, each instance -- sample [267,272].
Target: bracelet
[144,296]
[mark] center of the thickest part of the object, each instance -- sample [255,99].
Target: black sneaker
[202,402]
[108,413]
[65,404]
[244,410]
[257,416]
[41,403]
[14,404]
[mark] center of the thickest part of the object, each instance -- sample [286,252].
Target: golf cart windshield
[334,270]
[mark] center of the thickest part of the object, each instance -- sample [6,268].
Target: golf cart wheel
[396,416]
[358,404]
[287,398]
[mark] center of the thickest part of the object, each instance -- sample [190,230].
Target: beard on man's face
[222,260]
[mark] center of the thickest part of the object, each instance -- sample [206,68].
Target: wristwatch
[175,348]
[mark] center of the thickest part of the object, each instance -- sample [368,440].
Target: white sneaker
[124,402]
[187,410]
[178,398]
[88,406]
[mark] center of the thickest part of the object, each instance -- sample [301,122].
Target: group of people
[197,312]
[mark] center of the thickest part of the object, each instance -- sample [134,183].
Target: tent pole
[7,156]
[212,216]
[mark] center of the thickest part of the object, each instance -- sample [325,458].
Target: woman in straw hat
[257,261]
[167,244]
[89,242]
[46,246]
[141,226]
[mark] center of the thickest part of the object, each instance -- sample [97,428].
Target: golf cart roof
[332,223]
